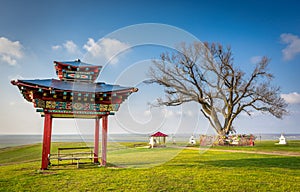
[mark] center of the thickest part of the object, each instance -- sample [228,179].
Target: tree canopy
[205,73]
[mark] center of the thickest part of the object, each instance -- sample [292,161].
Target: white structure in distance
[282,140]
[192,140]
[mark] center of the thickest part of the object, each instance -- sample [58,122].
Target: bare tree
[205,74]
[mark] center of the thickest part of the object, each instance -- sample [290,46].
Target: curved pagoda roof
[159,134]
[75,92]
[76,63]
[74,86]
[76,70]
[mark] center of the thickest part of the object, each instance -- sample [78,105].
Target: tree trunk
[216,122]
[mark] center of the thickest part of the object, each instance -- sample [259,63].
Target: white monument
[192,140]
[151,142]
[282,140]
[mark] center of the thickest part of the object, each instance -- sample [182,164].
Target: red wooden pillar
[46,140]
[104,139]
[96,142]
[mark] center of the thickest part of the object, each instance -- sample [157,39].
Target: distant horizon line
[151,133]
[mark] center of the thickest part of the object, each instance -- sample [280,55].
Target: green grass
[161,169]
[292,146]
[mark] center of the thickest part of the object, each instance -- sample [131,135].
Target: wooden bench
[74,154]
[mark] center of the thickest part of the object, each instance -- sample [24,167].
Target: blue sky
[118,34]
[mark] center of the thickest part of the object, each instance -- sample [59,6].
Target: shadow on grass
[234,160]
[275,162]
[85,165]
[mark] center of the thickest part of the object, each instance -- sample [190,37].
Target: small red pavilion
[74,95]
[158,139]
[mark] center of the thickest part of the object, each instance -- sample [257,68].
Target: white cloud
[71,47]
[92,47]
[101,51]
[255,59]
[170,113]
[293,45]
[12,103]
[8,59]
[291,98]
[10,51]
[190,113]
[56,47]
[147,113]
[105,49]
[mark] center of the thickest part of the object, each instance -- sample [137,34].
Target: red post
[96,142]
[46,141]
[251,140]
[104,139]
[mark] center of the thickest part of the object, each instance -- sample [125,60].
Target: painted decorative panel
[77,112]
[77,75]
[75,106]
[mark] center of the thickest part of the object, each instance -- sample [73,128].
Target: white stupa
[192,140]
[151,142]
[282,140]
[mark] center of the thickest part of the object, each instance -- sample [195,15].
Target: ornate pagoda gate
[74,95]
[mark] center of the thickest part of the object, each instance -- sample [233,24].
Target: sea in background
[16,140]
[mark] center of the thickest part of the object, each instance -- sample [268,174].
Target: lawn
[292,146]
[161,169]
